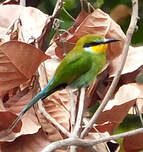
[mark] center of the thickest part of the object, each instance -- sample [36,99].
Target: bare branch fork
[89,143]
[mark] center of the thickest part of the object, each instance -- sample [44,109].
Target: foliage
[20,61]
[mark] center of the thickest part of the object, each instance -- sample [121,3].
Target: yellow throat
[99,48]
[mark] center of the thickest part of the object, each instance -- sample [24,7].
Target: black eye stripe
[105,41]
[93,44]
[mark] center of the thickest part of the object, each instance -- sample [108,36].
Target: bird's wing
[73,66]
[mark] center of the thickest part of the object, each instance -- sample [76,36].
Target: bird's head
[94,44]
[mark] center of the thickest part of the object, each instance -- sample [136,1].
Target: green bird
[79,67]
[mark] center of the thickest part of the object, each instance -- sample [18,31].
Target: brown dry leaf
[29,120]
[133,62]
[6,2]
[15,97]
[32,19]
[6,118]
[117,108]
[106,126]
[68,45]
[30,124]
[18,62]
[98,23]
[28,143]
[54,107]
[133,143]
[53,133]
[120,13]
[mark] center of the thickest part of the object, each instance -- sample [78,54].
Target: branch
[73,109]
[77,129]
[87,143]
[68,14]
[78,124]
[129,34]
[57,8]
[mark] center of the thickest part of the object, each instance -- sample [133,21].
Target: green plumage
[80,66]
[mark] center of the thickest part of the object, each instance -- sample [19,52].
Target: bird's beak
[109,40]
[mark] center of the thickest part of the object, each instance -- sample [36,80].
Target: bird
[77,69]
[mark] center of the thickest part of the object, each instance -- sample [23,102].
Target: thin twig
[87,143]
[139,113]
[73,109]
[129,34]
[57,8]
[90,7]
[82,5]
[68,14]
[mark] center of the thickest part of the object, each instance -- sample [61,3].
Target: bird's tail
[41,95]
